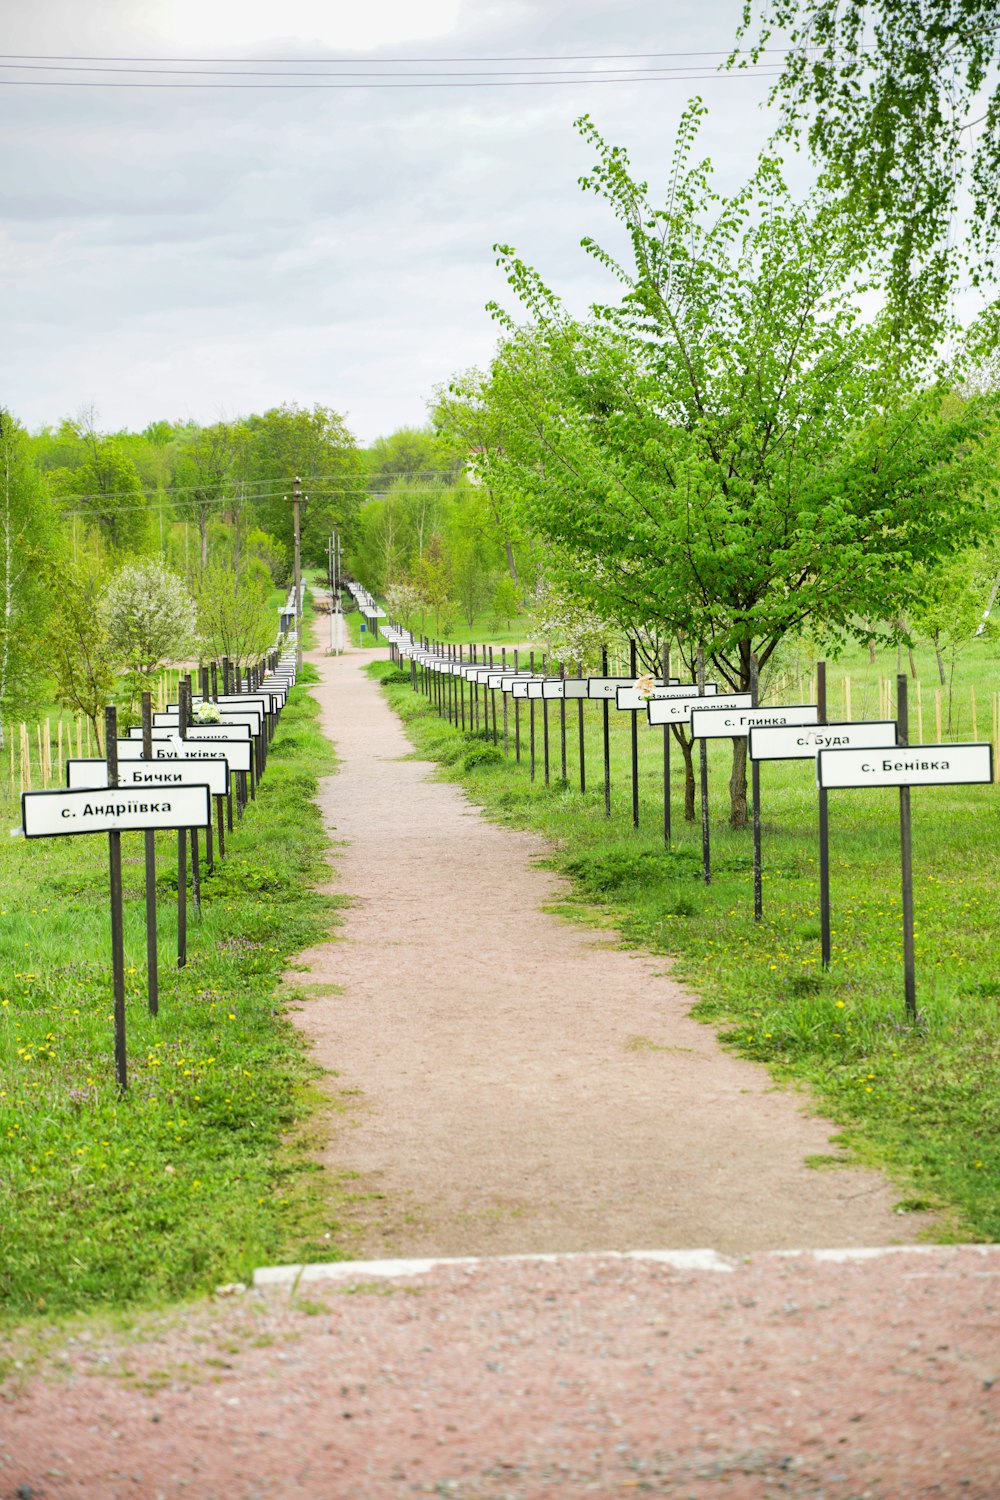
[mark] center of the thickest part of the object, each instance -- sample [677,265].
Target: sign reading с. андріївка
[118,810]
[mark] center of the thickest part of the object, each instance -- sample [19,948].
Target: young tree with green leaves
[27,540]
[316,445]
[107,492]
[201,471]
[79,650]
[899,101]
[730,450]
[235,617]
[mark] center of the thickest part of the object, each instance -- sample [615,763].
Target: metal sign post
[117,915]
[149,840]
[824,833]
[607,739]
[531,715]
[633,666]
[517,713]
[906,855]
[905,766]
[706,858]
[665,671]
[758,890]
[579,726]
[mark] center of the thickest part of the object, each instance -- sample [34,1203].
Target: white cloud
[181,252]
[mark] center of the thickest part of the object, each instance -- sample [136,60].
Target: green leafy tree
[731,451]
[316,445]
[107,492]
[900,103]
[234,611]
[951,612]
[471,425]
[506,600]
[27,541]
[201,471]
[433,579]
[413,455]
[78,646]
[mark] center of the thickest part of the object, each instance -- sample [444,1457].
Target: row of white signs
[173,790]
[842,751]
[366,604]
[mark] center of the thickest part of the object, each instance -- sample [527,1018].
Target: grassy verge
[200,1172]
[921,1102]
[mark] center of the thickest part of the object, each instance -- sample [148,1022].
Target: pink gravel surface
[521,1380]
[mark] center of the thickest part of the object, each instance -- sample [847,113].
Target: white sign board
[124,810]
[93,774]
[806,743]
[607,687]
[906,765]
[630,699]
[235,752]
[679,710]
[253,717]
[720,723]
[521,686]
[565,687]
[196,732]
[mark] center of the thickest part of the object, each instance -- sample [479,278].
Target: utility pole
[297,507]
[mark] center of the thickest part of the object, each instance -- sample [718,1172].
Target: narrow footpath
[521,1084]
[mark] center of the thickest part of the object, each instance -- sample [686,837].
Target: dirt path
[523,1085]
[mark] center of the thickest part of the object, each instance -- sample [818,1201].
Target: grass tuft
[922,1101]
[202,1170]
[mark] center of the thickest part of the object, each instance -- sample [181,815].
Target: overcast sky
[202,253]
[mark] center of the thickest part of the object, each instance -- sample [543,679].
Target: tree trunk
[909,649]
[687,750]
[203,534]
[738,778]
[511,564]
[940,660]
[738,785]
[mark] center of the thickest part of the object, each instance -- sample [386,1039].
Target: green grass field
[200,1172]
[923,1102]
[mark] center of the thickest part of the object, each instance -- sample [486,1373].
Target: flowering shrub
[574,632]
[149,615]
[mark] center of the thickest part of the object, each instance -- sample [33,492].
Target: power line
[262,492]
[496,83]
[554,57]
[176,72]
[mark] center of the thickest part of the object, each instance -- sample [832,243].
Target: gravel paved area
[527,1380]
